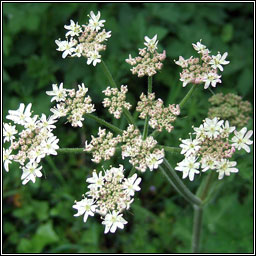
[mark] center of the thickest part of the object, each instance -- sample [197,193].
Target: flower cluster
[159,116]
[109,195]
[149,60]
[102,147]
[203,69]
[89,42]
[230,107]
[115,100]
[73,104]
[29,146]
[142,153]
[212,148]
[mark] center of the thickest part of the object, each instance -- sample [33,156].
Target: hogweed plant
[209,148]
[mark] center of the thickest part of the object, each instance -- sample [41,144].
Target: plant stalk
[197,228]
[145,130]
[187,96]
[105,123]
[177,183]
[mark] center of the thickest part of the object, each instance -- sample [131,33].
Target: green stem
[133,170]
[197,228]
[203,194]
[173,150]
[105,123]
[155,133]
[145,130]
[108,74]
[70,150]
[187,96]
[55,169]
[112,82]
[129,117]
[180,186]
[203,190]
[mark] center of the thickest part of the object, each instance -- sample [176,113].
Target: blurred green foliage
[39,217]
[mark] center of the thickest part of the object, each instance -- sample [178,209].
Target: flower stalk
[177,183]
[187,96]
[145,130]
[105,123]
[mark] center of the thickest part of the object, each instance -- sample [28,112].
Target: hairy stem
[105,123]
[202,193]
[187,96]
[145,130]
[70,150]
[197,228]
[173,150]
[179,185]
[109,75]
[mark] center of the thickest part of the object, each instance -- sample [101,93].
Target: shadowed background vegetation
[39,217]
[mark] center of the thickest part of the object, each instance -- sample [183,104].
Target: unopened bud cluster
[102,147]
[29,146]
[230,107]
[159,116]
[115,101]
[109,195]
[89,40]
[212,148]
[73,104]
[142,153]
[203,69]
[149,60]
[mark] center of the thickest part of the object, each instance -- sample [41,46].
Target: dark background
[39,217]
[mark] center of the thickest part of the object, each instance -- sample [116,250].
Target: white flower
[189,167]
[58,93]
[200,48]
[181,62]
[189,147]
[85,206]
[59,111]
[94,22]
[151,43]
[95,180]
[219,60]
[154,160]
[7,157]
[113,221]
[242,139]
[31,123]
[213,127]
[208,163]
[185,80]
[66,47]
[94,58]
[228,129]
[8,132]
[37,154]
[30,172]
[102,36]
[132,184]
[200,132]
[20,115]
[211,79]
[47,123]
[225,167]
[50,145]
[74,28]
